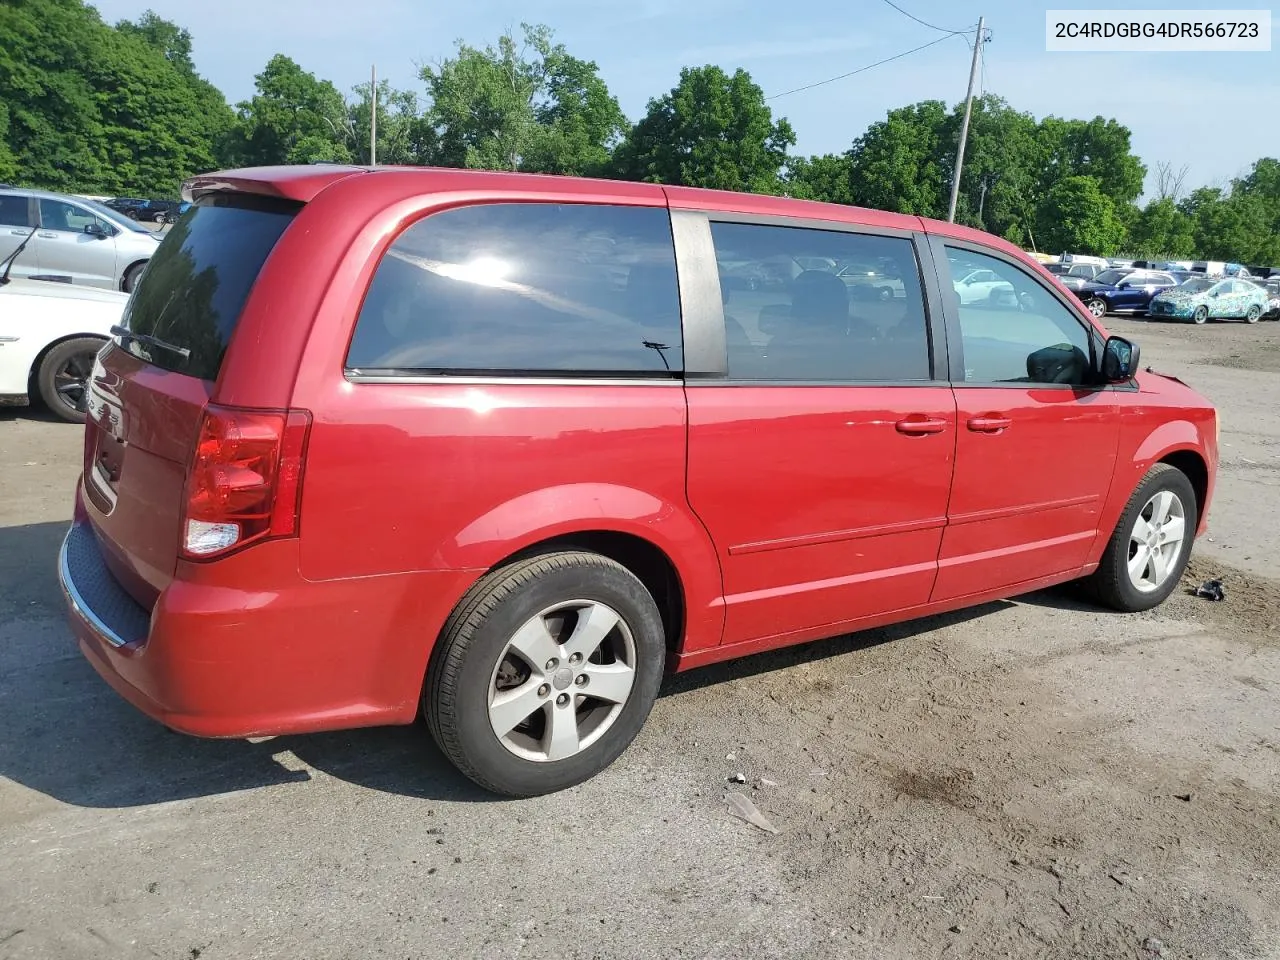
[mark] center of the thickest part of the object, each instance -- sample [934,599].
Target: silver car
[76,240]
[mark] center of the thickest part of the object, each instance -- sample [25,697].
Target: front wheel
[545,672]
[1255,312]
[63,377]
[131,277]
[1201,315]
[1151,544]
[1097,307]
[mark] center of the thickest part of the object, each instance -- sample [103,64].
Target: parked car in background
[1074,275]
[176,212]
[1123,290]
[980,285]
[76,240]
[50,334]
[128,206]
[1204,298]
[626,473]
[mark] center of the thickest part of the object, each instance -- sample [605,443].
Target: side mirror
[94,229]
[1120,359]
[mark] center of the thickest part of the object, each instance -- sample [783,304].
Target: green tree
[1162,230]
[1077,216]
[1097,148]
[92,108]
[293,118]
[899,163]
[173,42]
[1236,226]
[826,178]
[522,105]
[712,130]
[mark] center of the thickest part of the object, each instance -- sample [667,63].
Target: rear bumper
[284,656]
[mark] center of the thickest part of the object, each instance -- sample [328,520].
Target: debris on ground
[740,806]
[738,778]
[1211,590]
[1152,948]
[1184,797]
[766,782]
[956,928]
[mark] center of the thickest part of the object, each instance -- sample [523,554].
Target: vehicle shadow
[70,737]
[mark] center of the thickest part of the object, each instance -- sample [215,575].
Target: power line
[925,23]
[843,76]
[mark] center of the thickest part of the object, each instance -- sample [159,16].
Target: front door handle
[47,234]
[919,426]
[989,424]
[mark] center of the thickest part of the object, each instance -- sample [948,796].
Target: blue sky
[1215,112]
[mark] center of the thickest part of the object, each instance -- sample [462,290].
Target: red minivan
[501,449]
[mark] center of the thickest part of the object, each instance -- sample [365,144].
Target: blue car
[1123,290]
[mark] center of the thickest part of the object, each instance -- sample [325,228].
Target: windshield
[1111,277]
[1058,268]
[113,216]
[1198,285]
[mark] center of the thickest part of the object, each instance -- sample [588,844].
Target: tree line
[91,107]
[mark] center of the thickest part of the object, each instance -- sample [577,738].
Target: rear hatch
[150,388]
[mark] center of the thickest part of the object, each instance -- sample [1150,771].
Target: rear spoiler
[299,183]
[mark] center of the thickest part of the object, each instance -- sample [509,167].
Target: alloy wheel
[1156,541]
[1097,308]
[71,380]
[562,680]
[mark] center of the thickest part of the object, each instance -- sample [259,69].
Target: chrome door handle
[47,234]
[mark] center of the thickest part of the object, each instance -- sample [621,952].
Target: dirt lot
[1029,779]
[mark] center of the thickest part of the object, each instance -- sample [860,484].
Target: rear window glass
[525,289]
[193,290]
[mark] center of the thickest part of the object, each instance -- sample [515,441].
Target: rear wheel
[63,377]
[1201,315]
[545,672]
[1151,544]
[1097,307]
[1255,312]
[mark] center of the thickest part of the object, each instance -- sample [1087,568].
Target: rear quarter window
[532,289]
[196,285]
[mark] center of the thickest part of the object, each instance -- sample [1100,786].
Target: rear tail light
[245,479]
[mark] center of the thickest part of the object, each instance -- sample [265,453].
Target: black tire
[131,276]
[1201,315]
[1254,314]
[456,692]
[70,362]
[1110,583]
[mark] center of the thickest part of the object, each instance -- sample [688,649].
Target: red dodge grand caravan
[501,449]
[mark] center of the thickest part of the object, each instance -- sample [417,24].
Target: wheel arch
[661,542]
[646,560]
[142,261]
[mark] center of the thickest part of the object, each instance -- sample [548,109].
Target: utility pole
[373,116]
[964,127]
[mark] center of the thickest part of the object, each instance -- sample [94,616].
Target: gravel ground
[1029,779]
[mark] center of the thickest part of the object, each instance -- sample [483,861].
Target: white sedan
[50,334]
[980,286]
